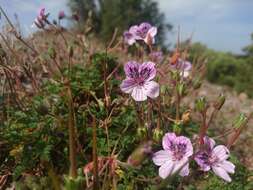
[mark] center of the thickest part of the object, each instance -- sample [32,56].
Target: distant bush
[226,68]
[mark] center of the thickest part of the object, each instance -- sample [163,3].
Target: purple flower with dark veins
[130,36]
[175,156]
[184,67]
[215,158]
[144,32]
[139,82]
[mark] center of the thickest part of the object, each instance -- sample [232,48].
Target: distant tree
[249,49]
[83,8]
[111,14]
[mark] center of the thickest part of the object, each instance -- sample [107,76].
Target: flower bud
[157,134]
[186,116]
[142,132]
[177,128]
[180,89]
[51,52]
[201,104]
[240,121]
[73,183]
[220,102]
[196,83]
[140,153]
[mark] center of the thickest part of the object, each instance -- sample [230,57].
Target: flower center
[178,150]
[141,77]
[212,159]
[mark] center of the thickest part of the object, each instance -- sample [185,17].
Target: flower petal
[181,167]
[147,71]
[152,89]
[185,170]
[185,141]
[129,38]
[185,74]
[160,157]
[165,169]
[221,152]
[152,31]
[139,94]
[221,173]
[201,159]
[169,141]
[228,166]
[131,69]
[127,85]
[209,142]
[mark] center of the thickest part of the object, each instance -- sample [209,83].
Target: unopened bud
[177,128]
[186,116]
[220,102]
[157,134]
[238,125]
[240,121]
[201,104]
[196,83]
[142,132]
[140,153]
[180,89]
[51,52]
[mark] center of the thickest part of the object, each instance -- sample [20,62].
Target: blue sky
[221,24]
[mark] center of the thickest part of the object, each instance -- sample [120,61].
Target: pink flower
[61,15]
[184,67]
[215,158]
[139,82]
[175,156]
[144,32]
[130,35]
[41,19]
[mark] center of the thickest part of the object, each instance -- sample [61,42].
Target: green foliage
[226,68]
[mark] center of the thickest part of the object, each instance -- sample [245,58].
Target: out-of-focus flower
[75,16]
[61,15]
[41,19]
[144,32]
[140,153]
[156,56]
[139,82]
[184,67]
[215,158]
[175,156]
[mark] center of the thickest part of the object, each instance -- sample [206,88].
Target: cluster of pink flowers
[178,149]
[143,32]
[41,19]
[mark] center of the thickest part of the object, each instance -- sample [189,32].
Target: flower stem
[72,145]
[94,154]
